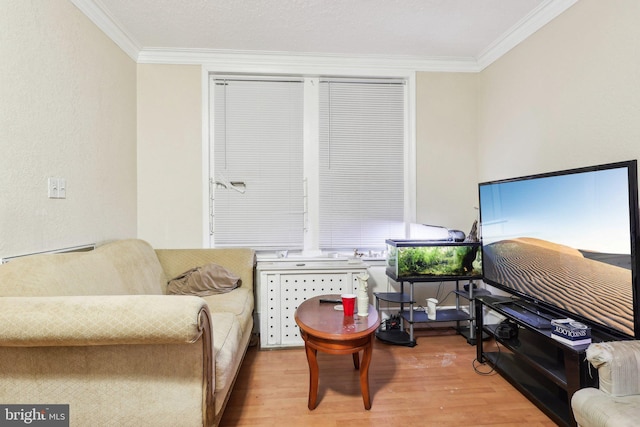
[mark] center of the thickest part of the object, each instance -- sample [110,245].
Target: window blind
[258,163]
[361,163]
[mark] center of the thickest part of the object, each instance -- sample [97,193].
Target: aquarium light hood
[434,233]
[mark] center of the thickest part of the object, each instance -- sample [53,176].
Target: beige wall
[74,106]
[170,175]
[446,149]
[67,110]
[568,96]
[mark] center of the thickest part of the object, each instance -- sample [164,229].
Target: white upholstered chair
[616,401]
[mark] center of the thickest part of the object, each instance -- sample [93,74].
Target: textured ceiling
[392,28]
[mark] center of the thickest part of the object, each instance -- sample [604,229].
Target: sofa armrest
[240,261]
[618,364]
[102,320]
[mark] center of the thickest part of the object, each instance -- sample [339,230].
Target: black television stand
[546,371]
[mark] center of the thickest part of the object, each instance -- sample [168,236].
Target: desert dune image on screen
[564,240]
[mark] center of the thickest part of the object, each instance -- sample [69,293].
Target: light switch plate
[53,188]
[57,188]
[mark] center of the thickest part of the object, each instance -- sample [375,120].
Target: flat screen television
[567,241]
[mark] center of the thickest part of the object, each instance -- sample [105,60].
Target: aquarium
[424,260]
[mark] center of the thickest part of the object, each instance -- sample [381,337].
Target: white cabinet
[283,285]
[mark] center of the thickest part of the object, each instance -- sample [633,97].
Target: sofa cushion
[239,303]
[593,408]
[226,343]
[124,267]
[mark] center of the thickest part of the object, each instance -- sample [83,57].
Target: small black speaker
[507,330]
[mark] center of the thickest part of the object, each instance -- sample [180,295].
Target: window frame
[311,75]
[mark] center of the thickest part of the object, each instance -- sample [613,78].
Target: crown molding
[273,61]
[538,18]
[96,12]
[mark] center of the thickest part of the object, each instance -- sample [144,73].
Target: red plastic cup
[348,304]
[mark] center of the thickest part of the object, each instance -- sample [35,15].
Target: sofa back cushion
[123,267]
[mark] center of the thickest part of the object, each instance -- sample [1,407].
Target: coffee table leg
[364,373]
[313,376]
[356,360]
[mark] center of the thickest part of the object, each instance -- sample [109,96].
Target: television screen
[566,240]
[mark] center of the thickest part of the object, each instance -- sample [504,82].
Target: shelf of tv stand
[547,397]
[529,347]
[476,293]
[546,371]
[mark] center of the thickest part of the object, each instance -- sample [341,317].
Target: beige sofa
[96,330]
[616,401]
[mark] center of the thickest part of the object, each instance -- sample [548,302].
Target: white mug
[431,308]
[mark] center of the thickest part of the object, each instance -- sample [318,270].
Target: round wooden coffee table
[328,330]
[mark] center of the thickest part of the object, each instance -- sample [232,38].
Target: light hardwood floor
[431,384]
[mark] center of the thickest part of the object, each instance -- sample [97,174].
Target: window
[361,163]
[309,163]
[257,163]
